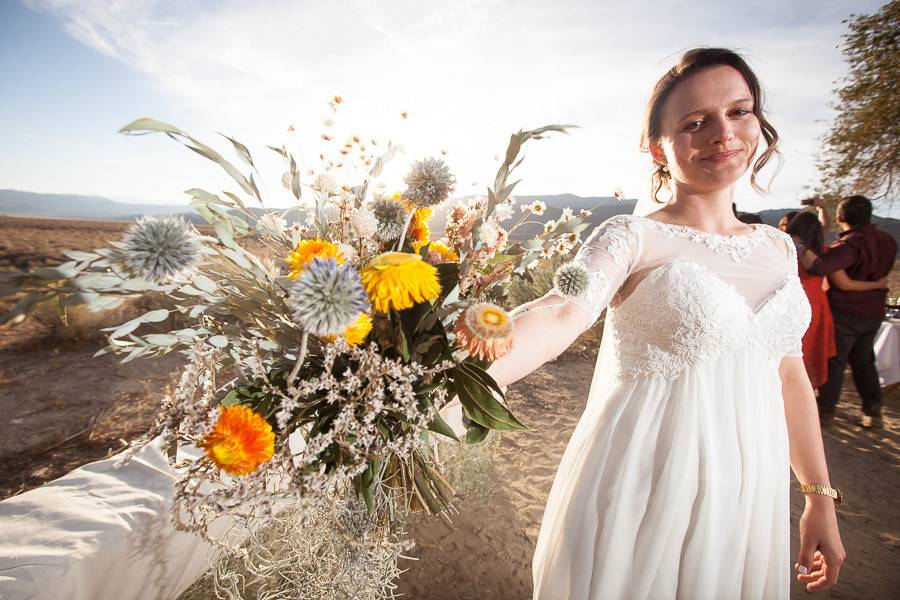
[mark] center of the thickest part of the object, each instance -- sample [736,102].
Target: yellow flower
[399,280]
[357,332]
[241,440]
[419,233]
[439,252]
[307,250]
[485,330]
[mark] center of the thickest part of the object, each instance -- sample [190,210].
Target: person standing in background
[866,254]
[806,229]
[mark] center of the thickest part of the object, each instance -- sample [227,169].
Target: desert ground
[63,408]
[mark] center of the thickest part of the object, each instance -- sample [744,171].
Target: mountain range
[19,203]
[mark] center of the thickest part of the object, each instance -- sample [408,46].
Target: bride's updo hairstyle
[694,61]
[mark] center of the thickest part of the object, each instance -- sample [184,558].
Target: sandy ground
[63,408]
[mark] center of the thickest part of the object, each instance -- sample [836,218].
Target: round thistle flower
[428,182]
[439,252]
[327,297]
[400,280]
[485,330]
[307,250]
[391,215]
[240,441]
[571,279]
[161,248]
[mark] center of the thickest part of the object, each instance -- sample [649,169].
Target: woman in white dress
[675,483]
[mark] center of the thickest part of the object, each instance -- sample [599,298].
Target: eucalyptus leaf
[219,341]
[161,339]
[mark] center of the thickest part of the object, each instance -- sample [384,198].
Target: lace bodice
[679,297]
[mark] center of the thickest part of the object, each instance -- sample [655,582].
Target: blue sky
[468,72]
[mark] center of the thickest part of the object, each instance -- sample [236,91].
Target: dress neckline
[693,231]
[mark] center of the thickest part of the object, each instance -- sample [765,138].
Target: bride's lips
[722,156]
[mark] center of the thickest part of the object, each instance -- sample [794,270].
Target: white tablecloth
[99,533]
[887,352]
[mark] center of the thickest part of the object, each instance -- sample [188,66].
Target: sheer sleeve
[795,343]
[545,327]
[608,255]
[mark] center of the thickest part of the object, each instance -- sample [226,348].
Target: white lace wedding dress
[675,481]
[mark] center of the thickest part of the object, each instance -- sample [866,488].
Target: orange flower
[241,440]
[439,252]
[485,330]
[307,250]
[419,233]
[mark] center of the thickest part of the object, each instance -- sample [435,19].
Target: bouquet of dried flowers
[328,366]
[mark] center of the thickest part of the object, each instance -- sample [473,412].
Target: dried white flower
[503,211]
[271,222]
[488,233]
[327,183]
[161,248]
[363,223]
[566,215]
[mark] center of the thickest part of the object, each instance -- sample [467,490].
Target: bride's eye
[740,112]
[693,125]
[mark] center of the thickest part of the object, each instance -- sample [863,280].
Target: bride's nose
[721,132]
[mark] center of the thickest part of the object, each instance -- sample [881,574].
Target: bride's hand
[821,551]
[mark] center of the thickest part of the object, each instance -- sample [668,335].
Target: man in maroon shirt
[866,254]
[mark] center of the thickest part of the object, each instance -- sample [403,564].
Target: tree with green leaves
[861,152]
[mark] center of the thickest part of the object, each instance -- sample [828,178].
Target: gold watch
[822,490]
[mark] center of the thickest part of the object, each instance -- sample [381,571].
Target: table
[887,352]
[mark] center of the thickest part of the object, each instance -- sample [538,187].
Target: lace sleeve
[795,343]
[608,256]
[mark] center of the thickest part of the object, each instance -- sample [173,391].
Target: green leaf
[439,425]
[161,339]
[480,404]
[475,434]
[241,150]
[231,397]
[219,341]
[155,316]
[148,125]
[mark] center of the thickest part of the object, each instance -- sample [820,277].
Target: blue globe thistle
[571,279]
[161,248]
[429,182]
[327,298]
[391,216]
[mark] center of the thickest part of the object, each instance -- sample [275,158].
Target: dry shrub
[535,283]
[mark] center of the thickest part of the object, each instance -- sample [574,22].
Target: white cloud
[469,73]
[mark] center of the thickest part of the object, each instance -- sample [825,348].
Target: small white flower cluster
[373,393]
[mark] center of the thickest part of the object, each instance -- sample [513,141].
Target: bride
[675,481]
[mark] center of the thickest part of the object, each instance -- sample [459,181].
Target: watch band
[822,490]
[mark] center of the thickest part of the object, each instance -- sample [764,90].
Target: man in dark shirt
[866,254]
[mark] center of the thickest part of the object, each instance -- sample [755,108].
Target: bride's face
[709,131]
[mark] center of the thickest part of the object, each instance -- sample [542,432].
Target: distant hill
[14,202]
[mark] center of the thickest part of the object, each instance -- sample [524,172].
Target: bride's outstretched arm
[544,328]
[821,550]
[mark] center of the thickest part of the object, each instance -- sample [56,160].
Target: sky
[468,73]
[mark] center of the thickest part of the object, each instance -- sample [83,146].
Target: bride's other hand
[821,550]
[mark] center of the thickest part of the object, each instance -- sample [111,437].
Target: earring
[665,169]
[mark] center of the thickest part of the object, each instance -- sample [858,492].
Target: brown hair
[693,61]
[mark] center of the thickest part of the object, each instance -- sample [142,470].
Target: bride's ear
[656,152]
